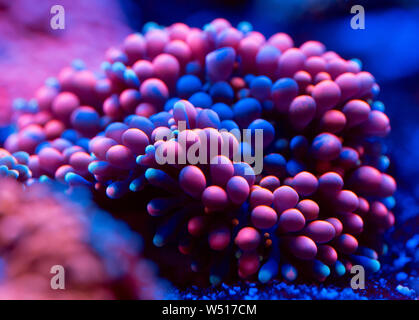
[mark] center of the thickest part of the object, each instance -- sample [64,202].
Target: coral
[317,199]
[41,228]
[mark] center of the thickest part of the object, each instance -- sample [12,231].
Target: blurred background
[388,47]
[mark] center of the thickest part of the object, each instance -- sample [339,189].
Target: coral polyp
[269,158]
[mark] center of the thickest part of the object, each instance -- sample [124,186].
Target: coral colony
[268,157]
[41,228]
